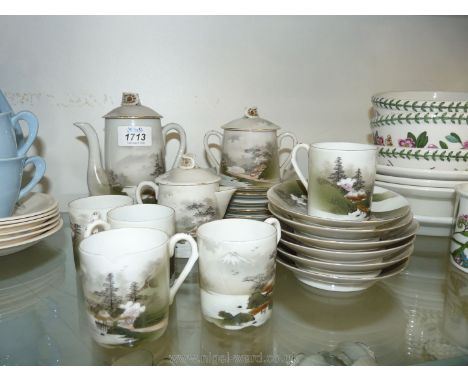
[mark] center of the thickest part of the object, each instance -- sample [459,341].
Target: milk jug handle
[183,141]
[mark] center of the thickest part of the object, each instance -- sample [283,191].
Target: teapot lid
[250,122]
[132,108]
[188,174]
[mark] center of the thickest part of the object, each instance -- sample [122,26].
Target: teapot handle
[145,184]
[212,159]
[183,141]
[287,161]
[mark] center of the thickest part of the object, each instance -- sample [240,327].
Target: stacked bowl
[337,255]
[423,154]
[25,218]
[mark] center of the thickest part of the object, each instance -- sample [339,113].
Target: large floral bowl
[420,102]
[423,158]
[421,130]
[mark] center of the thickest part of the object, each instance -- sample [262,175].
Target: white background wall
[313,76]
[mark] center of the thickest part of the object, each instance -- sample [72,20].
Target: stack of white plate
[343,256]
[35,217]
[422,151]
[430,193]
[249,203]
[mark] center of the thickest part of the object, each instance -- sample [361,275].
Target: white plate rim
[422,173]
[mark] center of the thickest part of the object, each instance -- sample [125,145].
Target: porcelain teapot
[194,193]
[249,151]
[134,147]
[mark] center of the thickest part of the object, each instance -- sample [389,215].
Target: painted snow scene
[191,207]
[236,283]
[133,169]
[250,159]
[341,190]
[124,312]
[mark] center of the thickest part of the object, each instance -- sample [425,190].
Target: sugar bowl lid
[131,108]
[251,122]
[188,174]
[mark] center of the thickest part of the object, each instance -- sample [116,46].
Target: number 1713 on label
[134,136]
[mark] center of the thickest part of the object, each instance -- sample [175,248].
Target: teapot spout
[98,184]
[223,197]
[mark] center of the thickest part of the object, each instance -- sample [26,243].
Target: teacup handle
[141,186]
[281,138]
[105,226]
[33,126]
[211,157]
[40,168]
[188,266]
[275,223]
[183,141]
[296,148]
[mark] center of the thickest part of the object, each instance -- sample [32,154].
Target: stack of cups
[13,156]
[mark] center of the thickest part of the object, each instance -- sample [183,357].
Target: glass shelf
[417,317]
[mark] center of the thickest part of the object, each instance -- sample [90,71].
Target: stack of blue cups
[13,156]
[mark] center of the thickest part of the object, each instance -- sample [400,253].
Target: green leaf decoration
[422,140]
[453,138]
[443,145]
[412,136]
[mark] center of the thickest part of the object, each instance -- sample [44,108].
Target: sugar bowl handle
[281,138]
[145,184]
[212,159]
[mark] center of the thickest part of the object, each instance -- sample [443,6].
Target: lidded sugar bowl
[249,151]
[193,192]
[134,147]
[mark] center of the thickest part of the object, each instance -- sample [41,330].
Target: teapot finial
[251,112]
[187,162]
[130,99]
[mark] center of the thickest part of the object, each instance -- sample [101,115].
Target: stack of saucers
[34,218]
[249,203]
[337,255]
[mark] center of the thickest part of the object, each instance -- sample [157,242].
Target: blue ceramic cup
[11,173]
[9,147]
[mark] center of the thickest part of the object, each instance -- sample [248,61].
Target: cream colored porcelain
[343,233]
[237,271]
[290,197]
[125,280]
[400,238]
[194,193]
[342,283]
[344,256]
[23,244]
[304,262]
[341,179]
[30,208]
[16,233]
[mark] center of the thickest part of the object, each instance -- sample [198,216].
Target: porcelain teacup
[237,271]
[125,280]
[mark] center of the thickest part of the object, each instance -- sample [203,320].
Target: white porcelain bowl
[434,226]
[461,176]
[409,181]
[420,102]
[425,201]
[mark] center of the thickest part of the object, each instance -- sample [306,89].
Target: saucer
[29,207]
[342,283]
[290,197]
[408,233]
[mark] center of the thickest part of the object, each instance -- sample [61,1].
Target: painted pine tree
[359,183]
[111,300]
[133,293]
[338,171]
[158,168]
